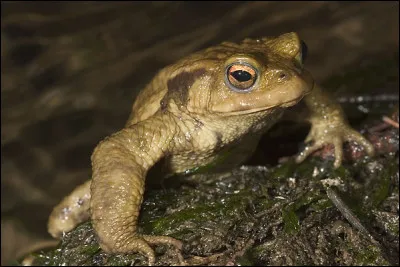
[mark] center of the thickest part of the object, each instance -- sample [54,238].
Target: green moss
[291,221]
[383,184]
[47,258]
[370,255]
[294,210]
[342,172]
[245,260]
[283,171]
[123,260]
[89,249]
[321,205]
[233,206]
[393,227]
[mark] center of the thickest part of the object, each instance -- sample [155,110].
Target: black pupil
[241,75]
[304,50]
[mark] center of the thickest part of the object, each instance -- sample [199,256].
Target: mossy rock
[262,216]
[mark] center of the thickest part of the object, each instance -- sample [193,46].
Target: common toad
[213,101]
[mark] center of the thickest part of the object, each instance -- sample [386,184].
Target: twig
[349,215]
[390,121]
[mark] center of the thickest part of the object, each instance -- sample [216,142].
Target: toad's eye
[240,77]
[302,55]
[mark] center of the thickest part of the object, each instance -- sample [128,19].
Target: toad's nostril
[282,75]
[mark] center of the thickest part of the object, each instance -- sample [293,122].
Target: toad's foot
[141,244]
[151,239]
[73,210]
[335,133]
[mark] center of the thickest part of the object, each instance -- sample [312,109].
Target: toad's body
[217,100]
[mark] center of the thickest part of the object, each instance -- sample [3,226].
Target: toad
[193,112]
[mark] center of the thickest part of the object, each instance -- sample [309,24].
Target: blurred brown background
[70,72]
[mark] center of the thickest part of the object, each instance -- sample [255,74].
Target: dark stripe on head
[179,85]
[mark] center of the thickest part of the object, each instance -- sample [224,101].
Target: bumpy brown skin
[190,116]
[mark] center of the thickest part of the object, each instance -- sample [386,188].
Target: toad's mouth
[291,103]
[280,98]
[260,109]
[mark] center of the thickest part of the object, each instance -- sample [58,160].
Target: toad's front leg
[329,126]
[120,164]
